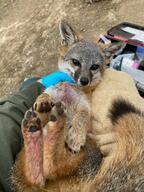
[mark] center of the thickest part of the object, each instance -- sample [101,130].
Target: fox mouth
[81,85]
[92,83]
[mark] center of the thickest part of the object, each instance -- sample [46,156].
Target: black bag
[133,36]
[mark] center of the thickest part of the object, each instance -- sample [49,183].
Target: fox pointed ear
[113,49]
[67,34]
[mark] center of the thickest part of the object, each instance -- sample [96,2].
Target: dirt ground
[29,36]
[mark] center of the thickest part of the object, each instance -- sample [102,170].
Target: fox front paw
[43,106]
[43,103]
[76,137]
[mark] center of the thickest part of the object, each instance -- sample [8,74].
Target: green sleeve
[11,114]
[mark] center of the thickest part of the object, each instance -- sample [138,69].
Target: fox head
[81,59]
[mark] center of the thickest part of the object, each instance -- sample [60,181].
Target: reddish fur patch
[33,158]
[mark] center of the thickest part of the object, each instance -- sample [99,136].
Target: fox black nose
[84,81]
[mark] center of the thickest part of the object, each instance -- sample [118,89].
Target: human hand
[55,78]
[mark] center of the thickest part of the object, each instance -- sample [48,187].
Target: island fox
[85,62]
[61,151]
[46,163]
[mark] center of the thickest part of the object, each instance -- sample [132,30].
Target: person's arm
[12,112]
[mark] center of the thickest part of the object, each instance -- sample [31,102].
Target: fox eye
[94,67]
[76,62]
